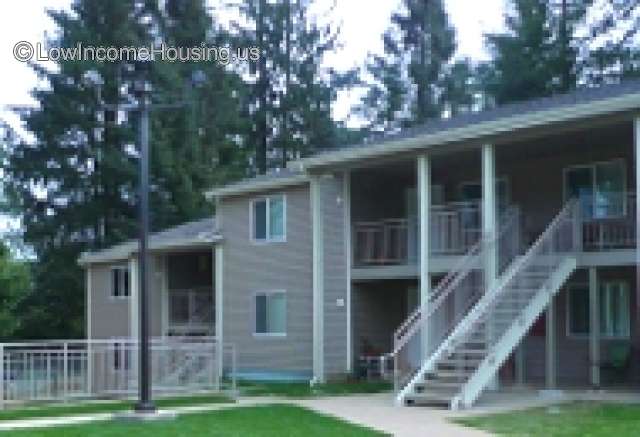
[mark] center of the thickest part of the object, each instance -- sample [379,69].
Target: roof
[580,104]
[192,234]
[275,179]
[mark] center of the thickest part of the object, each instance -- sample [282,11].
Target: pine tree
[291,93]
[75,183]
[408,80]
[537,55]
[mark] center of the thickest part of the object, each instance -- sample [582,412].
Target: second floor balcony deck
[608,224]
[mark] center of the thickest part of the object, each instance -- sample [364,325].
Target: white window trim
[592,166]
[268,335]
[111,284]
[586,336]
[268,239]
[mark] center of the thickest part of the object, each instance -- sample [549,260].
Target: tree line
[73,180]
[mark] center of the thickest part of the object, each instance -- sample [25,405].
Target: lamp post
[143,106]
[145,404]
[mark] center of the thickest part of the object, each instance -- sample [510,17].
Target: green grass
[55,410]
[263,421]
[304,390]
[584,419]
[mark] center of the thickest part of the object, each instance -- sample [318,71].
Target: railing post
[577,227]
[65,371]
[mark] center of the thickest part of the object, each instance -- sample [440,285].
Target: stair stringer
[489,367]
[452,339]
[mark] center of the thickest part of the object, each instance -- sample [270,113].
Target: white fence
[75,369]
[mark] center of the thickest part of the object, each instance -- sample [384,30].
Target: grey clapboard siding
[335,276]
[250,267]
[109,316]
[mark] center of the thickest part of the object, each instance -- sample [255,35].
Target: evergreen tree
[537,55]
[291,93]
[15,283]
[408,80]
[75,183]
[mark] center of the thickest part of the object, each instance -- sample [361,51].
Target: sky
[363,23]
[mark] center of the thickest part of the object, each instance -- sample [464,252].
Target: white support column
[164,297]
[89,333]
[551,351]
[489,213]
[133,298]
[318,279]
[489,225]
[218,260]
[348,250]
[424,210]
[594,325]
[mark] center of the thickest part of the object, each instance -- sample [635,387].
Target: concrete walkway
[378,412]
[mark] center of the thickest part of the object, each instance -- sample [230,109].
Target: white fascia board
[474,131]
[256,186]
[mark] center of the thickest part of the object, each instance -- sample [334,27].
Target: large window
[269,219]
[120,282]
[599,187]
[271,313]
[614,310]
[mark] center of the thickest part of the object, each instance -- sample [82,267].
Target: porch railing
[608,221]
[455,228]
[60,370]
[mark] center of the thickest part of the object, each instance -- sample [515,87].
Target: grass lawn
[263,421]
[53,410]
[584,419]
[304,390]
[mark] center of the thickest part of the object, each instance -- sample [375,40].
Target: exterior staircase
[468,335]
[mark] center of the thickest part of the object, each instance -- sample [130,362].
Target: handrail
[450,281]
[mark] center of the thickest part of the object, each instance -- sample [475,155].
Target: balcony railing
[455,228]
[609,221]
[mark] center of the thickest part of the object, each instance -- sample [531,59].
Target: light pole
[143,106]
[145,404]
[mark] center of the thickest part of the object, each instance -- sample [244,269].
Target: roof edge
[256,185]
[566,113]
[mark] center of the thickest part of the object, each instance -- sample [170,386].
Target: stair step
[436,385]
[460,374]
[429,399]
[453,362]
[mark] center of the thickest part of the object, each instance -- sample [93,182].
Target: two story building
[473,253]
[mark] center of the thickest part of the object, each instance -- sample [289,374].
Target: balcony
[608,221]
[455,227]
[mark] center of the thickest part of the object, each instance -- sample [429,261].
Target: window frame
[252,221]
[594,182]
[601,287]
[121,268]
[254,315]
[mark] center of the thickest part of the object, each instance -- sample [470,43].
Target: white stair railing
[505,313]
[449,302]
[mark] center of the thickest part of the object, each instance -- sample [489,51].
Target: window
[614,310]
[271,313]
[269,219]
[120,282]
[600,188]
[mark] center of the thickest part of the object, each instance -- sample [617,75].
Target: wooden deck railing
[455,228]
[609,223]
